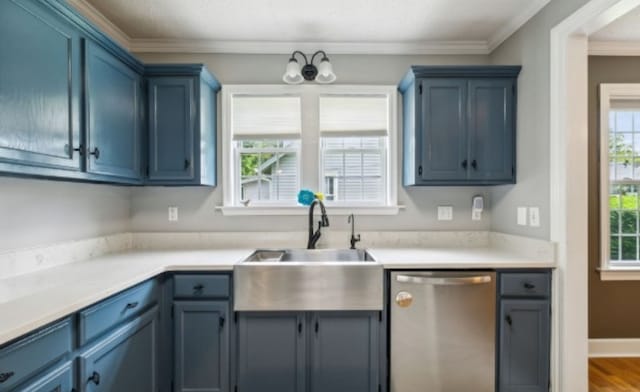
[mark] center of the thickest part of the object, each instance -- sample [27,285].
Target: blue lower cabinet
[344,352]
[316,352]
[28,358]
[271,352]
[125,360]
[524,345]
[57,380]
[201,347]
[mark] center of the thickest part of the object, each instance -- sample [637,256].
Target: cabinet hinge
[147,171]
[420,88]
[235,317]
[380,316]
[420,170]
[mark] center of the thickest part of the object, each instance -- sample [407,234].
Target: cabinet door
[58,380]
[344,352]
[201,346]
[524,345]
[443,132]
[271,354]
[171,129]
[40,87]
[112,115]
[492,130]
[126,360]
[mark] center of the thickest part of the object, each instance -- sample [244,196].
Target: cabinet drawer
[99,318]
[34,353]
[201,286]
[528,284]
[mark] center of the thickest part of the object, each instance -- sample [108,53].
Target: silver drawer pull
[444,281]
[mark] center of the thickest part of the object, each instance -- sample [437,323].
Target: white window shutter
[354,115]
[265,117]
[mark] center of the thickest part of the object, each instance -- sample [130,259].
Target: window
[620,175]
[338,140]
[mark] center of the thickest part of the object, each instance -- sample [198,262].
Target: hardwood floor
[614,375]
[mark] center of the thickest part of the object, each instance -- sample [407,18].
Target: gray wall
[530,47]
[197,205]
[40,212]
[605,320]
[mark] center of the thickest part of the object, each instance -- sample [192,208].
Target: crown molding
[101,21]
[614,48]
[480,47]
[515,23]
[281,47]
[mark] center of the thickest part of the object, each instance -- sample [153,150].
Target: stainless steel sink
[309,255]
[306,280]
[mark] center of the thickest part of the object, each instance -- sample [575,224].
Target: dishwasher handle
[444,280]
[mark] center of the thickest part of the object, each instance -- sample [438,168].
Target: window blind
[625,104]
[344,116]
[266,117]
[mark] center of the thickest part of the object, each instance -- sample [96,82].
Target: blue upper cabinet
[459,125]
[40,88]
[113,115]
[182,125]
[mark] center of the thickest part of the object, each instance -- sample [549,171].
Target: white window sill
[303,210]
[620,273]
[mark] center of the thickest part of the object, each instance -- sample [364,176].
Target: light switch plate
[173,214]
[445,213]
[522,216]
[534,216]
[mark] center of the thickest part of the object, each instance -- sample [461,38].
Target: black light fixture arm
[324,56]
[293,56]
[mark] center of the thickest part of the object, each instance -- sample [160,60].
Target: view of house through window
[268,169]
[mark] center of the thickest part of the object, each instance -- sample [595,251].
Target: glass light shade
[325,72]
[292,74]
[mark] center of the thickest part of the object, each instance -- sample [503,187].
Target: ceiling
[619,38]
[274,26]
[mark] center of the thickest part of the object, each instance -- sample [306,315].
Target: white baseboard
[614,348]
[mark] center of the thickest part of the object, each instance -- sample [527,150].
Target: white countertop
[32,300]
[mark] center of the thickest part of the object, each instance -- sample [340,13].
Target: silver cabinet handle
[444,281]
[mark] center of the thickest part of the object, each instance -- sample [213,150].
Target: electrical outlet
[522,216]
[445,213]
[534,216]
[173,214]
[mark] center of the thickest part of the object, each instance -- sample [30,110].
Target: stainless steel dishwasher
[443,331]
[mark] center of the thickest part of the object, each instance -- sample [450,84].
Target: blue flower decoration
[306,197]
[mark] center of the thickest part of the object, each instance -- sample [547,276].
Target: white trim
[307,177]
[98,18]
[515,23]
[614,48]
[620,273]
[302,210]
[568,121]
[607,93]
[608,348]
[282,47]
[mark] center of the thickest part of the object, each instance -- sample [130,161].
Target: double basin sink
[308,280]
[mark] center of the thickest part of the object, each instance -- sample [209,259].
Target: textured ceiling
[626,28]
[408,21]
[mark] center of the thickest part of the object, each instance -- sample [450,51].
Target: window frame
[309,175]
[611,269]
